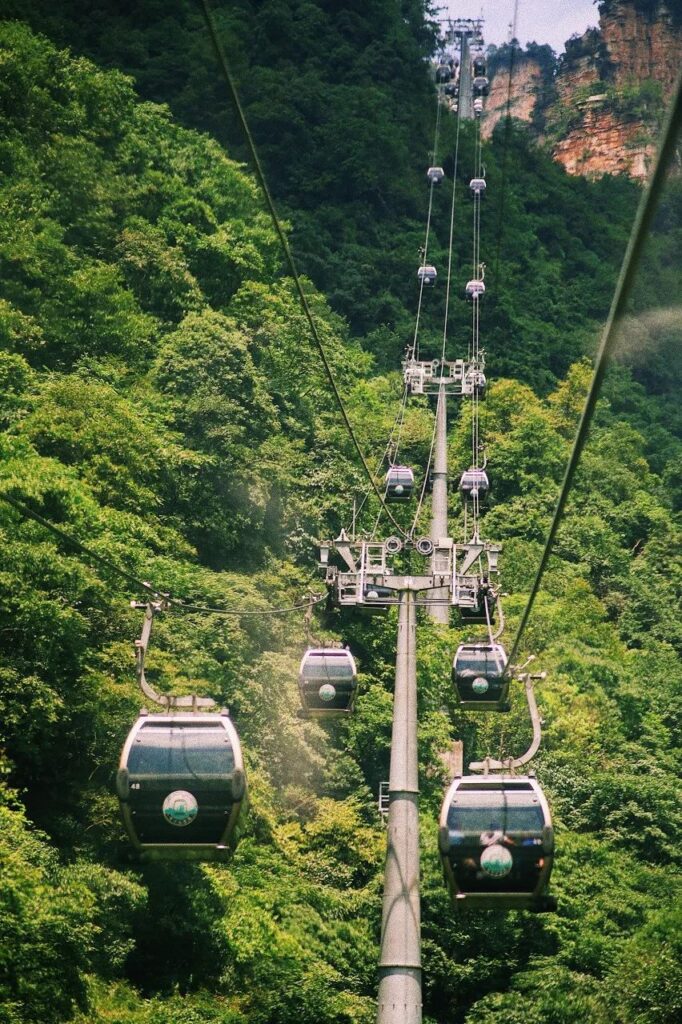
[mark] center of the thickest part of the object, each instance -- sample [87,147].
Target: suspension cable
[413,349]
[177,603]
[451,240]
[475,331]
[293,270]
[645,213]
[386,454]
[441,392]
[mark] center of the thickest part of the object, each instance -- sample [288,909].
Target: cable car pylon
[400,988]
[439,498]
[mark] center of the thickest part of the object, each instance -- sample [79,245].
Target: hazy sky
[544,21]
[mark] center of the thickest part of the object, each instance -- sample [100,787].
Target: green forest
[162,403]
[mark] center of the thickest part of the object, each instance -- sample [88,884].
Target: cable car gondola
[327,682]
[475,289]
[399,483]
[435,175]
[477,187]
[474,483]
[478,672]
[481,86]
[181,786]
[427,275]
[478,67]
[496,843]
[443,73]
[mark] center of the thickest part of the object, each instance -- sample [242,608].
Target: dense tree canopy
[161,402]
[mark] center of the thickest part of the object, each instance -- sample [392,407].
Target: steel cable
[293,270]
[143,585]
[645,213]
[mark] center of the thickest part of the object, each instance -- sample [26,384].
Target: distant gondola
[399,483]
[181,786]
[374,594]
[496,843]
[480,85]
[475,290]
[475,383]
[427,275]
[435,175]
[327,682]
[477,187]
[474,483]
[480,678]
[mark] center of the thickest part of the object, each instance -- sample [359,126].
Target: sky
[542,21]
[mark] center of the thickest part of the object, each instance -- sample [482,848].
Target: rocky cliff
[599,105]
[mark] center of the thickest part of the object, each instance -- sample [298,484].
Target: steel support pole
[466,98]
[400,987]
[439,501]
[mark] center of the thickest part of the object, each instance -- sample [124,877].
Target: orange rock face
[605,144]
[643,49]
[522,96]
[602,136]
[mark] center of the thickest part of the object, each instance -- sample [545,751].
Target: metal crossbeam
[368,578]
[456,378]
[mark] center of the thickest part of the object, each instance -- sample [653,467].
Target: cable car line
[386,455]
[175,603]
[644,216]
[425,278]
[413,348]
[289,257]
[441,396]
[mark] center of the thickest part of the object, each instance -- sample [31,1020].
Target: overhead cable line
[451,239]
[441,394]
[142,585]
[413,352]
[413,349]
[293,270]
[638,236]
[390,447]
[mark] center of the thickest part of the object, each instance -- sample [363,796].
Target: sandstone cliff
[600,105]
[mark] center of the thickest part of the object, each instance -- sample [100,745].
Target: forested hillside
[161,402]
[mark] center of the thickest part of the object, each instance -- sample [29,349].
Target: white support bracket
[488,764]
[166,700]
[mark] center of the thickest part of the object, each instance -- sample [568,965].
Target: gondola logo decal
[327,692]
[496,861]
[180,808]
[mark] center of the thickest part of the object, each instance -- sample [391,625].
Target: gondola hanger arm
[488,764]
[165,700]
